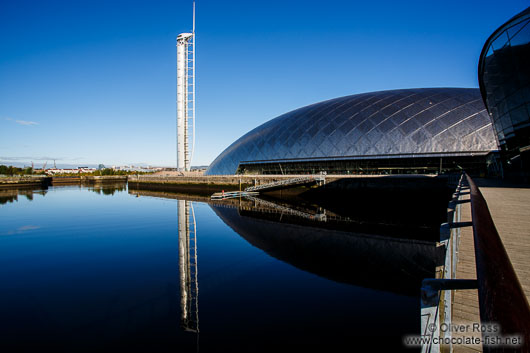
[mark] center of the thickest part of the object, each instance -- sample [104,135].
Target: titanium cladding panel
[408,121]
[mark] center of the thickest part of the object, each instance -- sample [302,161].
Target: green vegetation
[5,170]
[12,171]
[108,171]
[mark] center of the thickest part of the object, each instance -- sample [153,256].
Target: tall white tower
[186,97]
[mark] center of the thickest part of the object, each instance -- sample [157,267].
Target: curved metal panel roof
[397,122]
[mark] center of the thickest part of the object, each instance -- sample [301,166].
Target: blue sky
[88,82]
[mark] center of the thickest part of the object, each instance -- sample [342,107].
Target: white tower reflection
[189,286]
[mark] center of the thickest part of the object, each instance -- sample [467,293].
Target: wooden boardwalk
[465,302]
[510,210]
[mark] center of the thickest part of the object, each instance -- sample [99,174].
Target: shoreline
[207,185]
[17,182]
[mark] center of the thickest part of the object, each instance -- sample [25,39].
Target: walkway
[465,302]
[510,210]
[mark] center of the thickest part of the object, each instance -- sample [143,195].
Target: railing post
[430,318]
[437,294]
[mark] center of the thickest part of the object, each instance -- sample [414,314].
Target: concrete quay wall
[201,185]
[210,184]
[24,181]
[57,180]
[28,181]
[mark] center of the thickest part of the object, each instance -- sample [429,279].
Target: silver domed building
[428,130]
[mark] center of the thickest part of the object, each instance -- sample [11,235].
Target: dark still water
[91,269]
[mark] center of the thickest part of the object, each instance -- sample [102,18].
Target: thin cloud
[26,123]
[30,158]
[13,158]
[23,122]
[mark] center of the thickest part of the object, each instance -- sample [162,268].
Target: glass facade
[477,164]
[412,123]
[504,77]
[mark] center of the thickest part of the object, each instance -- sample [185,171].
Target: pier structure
[319,179]
[274,185]
[208,184]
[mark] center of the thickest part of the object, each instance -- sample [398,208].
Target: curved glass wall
[430,122]
[504,77]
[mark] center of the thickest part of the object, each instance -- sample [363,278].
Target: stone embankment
[58,180]
[33,181]
[24,181]
[207,185]
[199,184]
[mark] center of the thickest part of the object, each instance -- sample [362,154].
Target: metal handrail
[501,297]
[285,182]
[437,293]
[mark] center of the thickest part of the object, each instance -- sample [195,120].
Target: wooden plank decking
[510,210]
[465,302]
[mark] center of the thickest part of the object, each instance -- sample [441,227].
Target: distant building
[504,78]
[133,168]
[54,171]
[428,130]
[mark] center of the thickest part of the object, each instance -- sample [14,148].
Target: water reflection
[11,195]
[189,285]
[320,242]
[377,255]
[109,188]
[102,274]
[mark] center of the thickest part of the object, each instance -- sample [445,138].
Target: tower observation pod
[186,98]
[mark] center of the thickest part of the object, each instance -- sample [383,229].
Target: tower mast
[186,97]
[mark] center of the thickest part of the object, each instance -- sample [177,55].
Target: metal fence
[501,298]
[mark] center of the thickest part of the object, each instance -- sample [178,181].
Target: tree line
[10,170]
